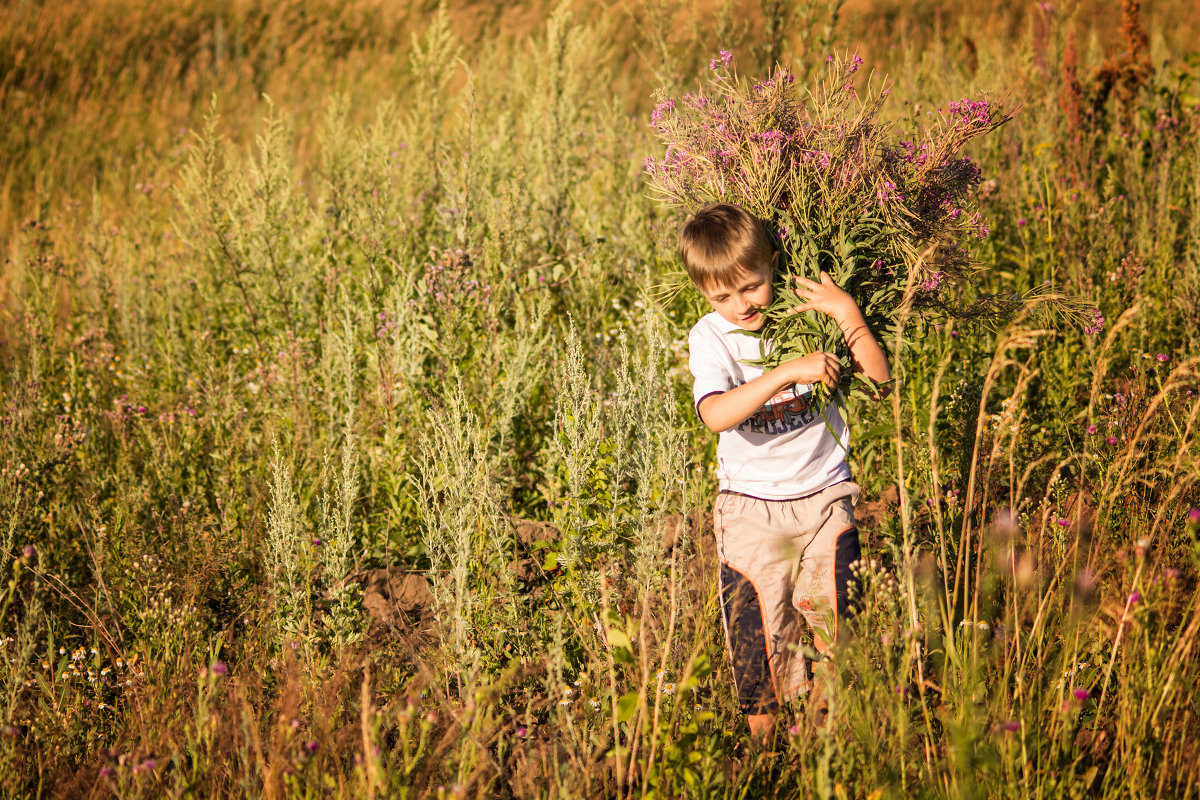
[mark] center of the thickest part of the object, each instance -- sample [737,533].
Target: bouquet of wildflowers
[892,220]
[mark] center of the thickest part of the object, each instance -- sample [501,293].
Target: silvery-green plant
[286,553]
[336,526]
[464,531]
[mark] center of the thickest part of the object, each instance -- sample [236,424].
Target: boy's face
[742,302]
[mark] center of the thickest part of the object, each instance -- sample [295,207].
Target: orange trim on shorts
[766,634]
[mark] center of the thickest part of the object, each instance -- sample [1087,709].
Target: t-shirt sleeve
[710,363]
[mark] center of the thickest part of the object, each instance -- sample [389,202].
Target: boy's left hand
[826,297]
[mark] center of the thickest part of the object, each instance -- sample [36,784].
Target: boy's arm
[724,410]
[829,298]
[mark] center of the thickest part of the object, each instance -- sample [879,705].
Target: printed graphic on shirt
[783,413]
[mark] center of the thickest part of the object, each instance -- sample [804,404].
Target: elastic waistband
[784,499]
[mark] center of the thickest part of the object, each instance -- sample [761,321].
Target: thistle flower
[1081,694]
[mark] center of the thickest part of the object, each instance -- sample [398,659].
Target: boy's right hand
[813,368]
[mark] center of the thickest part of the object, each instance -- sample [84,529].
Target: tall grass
[353,452]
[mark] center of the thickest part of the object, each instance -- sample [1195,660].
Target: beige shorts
[784,578]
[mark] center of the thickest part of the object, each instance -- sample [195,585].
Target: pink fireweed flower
[724,59]
[660,112]
[969,113]
[887,193]
[855,63]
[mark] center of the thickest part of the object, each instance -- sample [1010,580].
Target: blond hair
[720,242]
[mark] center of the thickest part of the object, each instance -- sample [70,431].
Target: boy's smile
[742,303]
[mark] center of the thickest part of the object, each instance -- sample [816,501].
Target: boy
[784,518]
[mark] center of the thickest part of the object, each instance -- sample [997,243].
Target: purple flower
[659,113]
[1022,222]
[724,59]
[1111,440]
[311,747]
[105,772]
[522,731]
[1081,694]
[1097,323]
[27,551]
[1163,357]
[887,193]
[1194,515]
[932,282]
[855,63]
[220,668]
[829,59]
[1012,726]
[1134,598]
[1091,428]
[969,113]
[1064,522]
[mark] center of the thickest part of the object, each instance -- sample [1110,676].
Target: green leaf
[626,706]
[618,638]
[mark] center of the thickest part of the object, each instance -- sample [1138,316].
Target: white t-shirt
[783,450]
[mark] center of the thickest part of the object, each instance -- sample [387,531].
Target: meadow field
[347,445]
